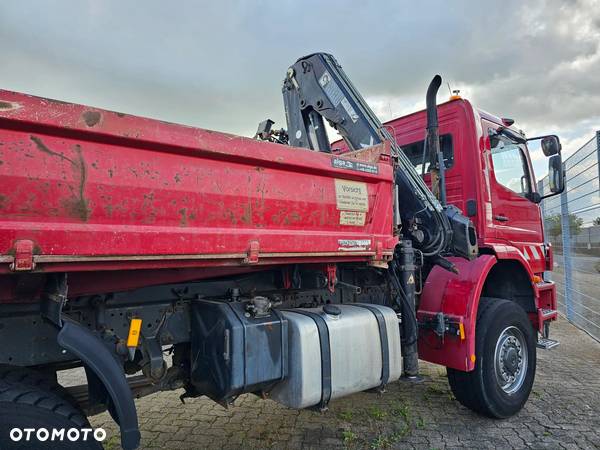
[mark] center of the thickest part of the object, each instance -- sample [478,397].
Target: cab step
[548,314]
[547,344]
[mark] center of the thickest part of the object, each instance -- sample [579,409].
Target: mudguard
[457,296]
[94,354]
[511,252]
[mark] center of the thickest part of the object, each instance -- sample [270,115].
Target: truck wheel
[505,349]
[30,377]
[26,407]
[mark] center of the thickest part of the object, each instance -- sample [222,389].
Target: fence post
[598,153]
[566,244]
[540,189]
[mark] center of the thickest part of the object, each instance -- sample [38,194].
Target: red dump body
[87,191]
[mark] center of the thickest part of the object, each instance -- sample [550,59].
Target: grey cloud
[219,65]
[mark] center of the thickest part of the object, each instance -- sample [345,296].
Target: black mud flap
[97,358]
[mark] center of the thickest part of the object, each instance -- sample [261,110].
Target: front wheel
[505,350]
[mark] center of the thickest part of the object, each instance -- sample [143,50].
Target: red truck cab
[489,176]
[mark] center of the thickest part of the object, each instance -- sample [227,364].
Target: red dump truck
[295,269]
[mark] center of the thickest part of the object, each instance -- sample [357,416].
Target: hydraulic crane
[316,89]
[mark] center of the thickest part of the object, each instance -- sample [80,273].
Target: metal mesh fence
[572,225]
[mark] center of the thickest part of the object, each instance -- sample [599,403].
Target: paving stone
[562,412]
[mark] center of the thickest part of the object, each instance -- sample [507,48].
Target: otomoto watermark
[57,434]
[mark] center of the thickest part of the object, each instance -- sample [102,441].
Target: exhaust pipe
[436,158]
[464,237]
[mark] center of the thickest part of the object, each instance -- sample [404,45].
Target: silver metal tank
[356,352]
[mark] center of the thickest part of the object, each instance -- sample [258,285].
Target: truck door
[516,220]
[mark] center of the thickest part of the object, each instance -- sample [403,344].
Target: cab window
[510,165]
[414,151]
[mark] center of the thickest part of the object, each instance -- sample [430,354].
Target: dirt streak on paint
[78,206]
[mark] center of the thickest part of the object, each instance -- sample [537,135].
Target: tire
[24,406]
[505,349]
[33,378]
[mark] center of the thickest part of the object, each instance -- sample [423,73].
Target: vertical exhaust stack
[464,237]
[436,159]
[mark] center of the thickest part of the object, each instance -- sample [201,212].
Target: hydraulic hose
[409,317]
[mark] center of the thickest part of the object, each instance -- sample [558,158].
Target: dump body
[84,190]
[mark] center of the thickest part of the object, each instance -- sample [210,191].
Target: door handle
[501,218]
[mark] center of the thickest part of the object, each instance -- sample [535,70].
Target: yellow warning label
[134,332]
[353,218]
[351,195]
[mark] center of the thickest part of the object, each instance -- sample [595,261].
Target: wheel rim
[510,360]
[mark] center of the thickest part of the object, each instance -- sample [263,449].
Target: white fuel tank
[338,350]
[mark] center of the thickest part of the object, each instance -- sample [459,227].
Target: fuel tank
[338,350]
[235,351]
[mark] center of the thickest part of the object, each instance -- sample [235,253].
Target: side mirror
[556,174]
[551,145]
[534,197]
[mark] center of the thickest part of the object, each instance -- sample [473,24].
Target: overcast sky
[219,64]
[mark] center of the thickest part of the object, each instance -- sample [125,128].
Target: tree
[597,221]
[554,225]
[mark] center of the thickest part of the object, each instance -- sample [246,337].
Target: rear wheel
[505,349]
[24,407]
[30,377]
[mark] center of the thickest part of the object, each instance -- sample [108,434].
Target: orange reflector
[134,332]
[537,279]
[461,329]
[473,358]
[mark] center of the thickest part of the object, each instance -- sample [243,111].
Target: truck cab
[489,177]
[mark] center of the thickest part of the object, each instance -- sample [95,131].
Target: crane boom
[317,89]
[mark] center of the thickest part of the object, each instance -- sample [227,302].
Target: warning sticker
[332,90]
[354,244]
[353,218]
[351,195]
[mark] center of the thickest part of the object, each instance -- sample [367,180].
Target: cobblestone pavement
[562,412]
